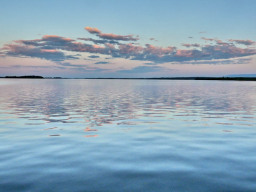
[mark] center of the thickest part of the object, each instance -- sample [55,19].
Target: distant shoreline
[157,78]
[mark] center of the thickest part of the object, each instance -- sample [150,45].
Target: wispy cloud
[93,56]
[143,69]
[101,62]
[99,41]
[230,41]
[222,61]
[243,42]
[191,45]
[153,39]
[111,36]
[208,39]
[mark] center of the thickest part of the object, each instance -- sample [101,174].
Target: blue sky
[204,38]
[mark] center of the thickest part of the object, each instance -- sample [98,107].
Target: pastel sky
[132,38]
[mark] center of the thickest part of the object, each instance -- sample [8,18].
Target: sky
[127,38]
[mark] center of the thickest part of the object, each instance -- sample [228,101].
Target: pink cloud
[92,30]
[53,47]
[117,37]
[98,47]
[55,38]
[130,49]
[220,42]
[184,53]
[160,51]
[111,36]
[49,50]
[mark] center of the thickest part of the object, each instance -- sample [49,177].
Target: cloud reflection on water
[96,103]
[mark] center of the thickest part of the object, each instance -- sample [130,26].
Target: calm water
[127,135]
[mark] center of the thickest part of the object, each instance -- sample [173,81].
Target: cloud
[143,69]
[56,48]
[47,41]
[93,56]
[117,37]
[191,45]
[149,63]
[111,36]
[93,30]
[32,51]
[243,42]
[152,39]
[99,41]
[225,51]
[208,39]
[220,42]
[217,41]
[53,45]
[101,62]
[22,66]
[55,38]
[66,64]
[221,61]
[80,67]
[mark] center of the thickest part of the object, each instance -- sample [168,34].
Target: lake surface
[127,135]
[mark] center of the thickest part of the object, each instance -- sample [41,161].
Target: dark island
[26,77]
[227,78]
[151,78]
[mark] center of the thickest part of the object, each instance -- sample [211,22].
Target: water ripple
[127,135]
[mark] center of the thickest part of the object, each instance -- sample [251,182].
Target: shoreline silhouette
[150,78]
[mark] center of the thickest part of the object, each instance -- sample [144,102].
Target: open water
[127,135]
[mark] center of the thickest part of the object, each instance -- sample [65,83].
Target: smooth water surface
[127,135]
